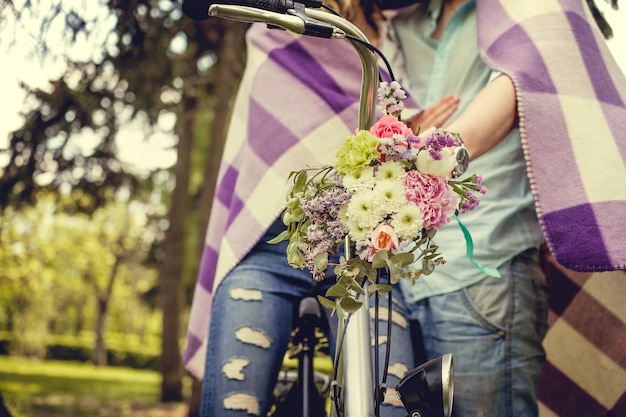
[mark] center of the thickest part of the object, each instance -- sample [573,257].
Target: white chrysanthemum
[357,232]
[407,222]
[363,179]
[363,210]
[391,171]
[390,196]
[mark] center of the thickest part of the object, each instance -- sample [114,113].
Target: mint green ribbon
[469,244]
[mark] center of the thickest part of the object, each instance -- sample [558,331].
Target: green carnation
[356,152]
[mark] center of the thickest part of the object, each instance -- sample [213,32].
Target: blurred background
[112,118]
[112,121]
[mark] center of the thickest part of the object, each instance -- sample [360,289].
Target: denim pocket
[519,292]
[489,301]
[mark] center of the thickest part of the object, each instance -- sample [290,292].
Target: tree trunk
[4,411]
[171,286]
[99,355]
[103,297]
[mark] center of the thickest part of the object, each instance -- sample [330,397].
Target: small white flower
[362,180]
[363,210]
[397,90]
[407,222]
[390,196]
[391,171]
[357,232]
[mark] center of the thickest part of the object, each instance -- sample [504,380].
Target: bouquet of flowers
[387,194]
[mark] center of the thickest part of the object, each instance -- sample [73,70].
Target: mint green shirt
[505,223]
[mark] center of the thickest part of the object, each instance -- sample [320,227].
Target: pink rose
[436,200]
[388,126]
[383,238]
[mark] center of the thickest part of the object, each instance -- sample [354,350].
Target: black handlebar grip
[199,9]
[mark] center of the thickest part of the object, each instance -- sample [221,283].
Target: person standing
[504,60]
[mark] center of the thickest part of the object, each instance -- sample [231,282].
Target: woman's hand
[436,115]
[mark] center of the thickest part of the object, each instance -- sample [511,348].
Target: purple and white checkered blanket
[571,100]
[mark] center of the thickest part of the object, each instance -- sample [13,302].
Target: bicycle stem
[356,357]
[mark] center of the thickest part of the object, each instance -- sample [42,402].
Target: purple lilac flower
[438,140]
[469,202]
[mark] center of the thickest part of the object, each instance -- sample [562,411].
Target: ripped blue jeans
[252,317]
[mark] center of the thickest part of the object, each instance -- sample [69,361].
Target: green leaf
[395,274]
[401,259]
[292,203]
[372,289]
[379,288]
[380,259]
[356,287]
[321,261]
[428,266]
[382,288]
[326,303]
[299,183]
[295,257]
[337,290]
[344,279]
[284,235]
[350,305]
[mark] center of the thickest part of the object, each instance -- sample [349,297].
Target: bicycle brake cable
[366,44]
[381,388]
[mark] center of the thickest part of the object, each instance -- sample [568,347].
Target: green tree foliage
[127,61]
[55,271]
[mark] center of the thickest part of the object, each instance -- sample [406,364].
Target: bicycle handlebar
[295,20]
[199,9]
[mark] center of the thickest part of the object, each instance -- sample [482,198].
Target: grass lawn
[70,389]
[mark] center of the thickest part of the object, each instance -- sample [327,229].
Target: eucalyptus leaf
[293,202]
[337,290]
[428,266]
[350,305]
[395,274]
[380,259]
[382,288]
[321,261]
[372,289]
[379,288]
[326,303]
[344,280]
[401,259]
[356,287]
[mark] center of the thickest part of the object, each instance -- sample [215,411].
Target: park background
[112,120]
